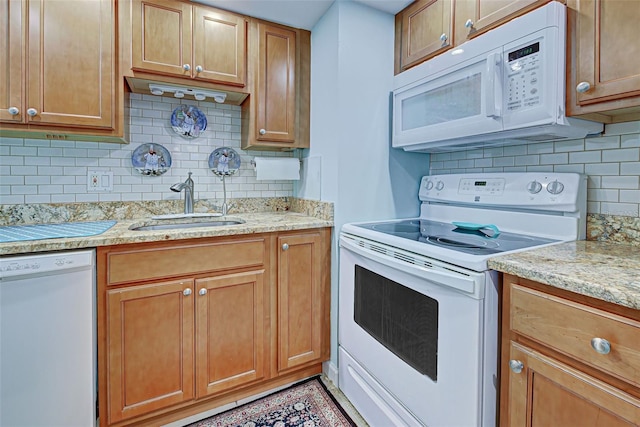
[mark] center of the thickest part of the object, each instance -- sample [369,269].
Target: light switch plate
[99,181]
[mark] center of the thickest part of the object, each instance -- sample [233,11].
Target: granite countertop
[261,222]
[606,271]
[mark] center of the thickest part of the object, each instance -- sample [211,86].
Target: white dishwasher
[48,340]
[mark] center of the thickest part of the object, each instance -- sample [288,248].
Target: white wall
[352,76]
[54,171]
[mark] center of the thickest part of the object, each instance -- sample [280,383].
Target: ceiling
[297,13]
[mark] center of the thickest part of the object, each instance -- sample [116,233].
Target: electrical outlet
[99,181]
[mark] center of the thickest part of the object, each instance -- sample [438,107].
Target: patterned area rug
[306,404]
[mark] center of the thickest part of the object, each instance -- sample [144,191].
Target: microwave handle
[493,72]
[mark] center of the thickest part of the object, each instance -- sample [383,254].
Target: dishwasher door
[48,340]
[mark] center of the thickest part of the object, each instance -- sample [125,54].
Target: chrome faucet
[187,186]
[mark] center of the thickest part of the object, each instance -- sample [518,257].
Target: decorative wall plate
[188,121]
[224,161]
[151,159]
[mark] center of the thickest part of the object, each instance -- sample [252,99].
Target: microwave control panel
[524,77]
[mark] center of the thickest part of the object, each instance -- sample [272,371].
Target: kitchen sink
[181,225]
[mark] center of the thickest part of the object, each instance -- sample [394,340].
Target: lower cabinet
[567,360]
[187,326]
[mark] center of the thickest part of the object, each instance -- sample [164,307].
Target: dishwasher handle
[15,267]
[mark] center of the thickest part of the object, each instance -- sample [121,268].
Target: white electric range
[418,307]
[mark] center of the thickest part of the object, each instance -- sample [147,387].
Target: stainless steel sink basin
[181,225]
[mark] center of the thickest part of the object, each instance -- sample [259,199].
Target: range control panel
[523,190]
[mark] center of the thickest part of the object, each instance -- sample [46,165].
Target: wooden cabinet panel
[276,84]
[426,31]
[219,46]
[569,327]
[300,299]
[161,36]
[603,54]
[149,347]
[548,393]
[487,14]
[12,14]
[69,73]
[231,321]
[177,38]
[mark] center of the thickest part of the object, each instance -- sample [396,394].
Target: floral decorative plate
[188,121]
[151,159]
[224,161]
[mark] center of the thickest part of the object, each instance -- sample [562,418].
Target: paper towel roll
[277,168]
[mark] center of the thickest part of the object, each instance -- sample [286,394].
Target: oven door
[412,346]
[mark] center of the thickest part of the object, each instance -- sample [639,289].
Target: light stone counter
[606,271]
[261,222]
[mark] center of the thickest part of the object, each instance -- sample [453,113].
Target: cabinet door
[300,300]
[486,14]
[607,51]
[71,63]
[549,393]
[231,320]
[219,46]
[161,36]
[149,347]
[427,30]
[276,85]
[12,60]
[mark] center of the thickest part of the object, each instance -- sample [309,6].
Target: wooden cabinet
[187,326]
[301,299]
[424,29]
[177,38]
[59,70]
[567,359]
[603,60]
[427,28]
[277,113]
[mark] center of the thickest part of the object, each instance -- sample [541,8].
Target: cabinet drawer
[154,263]
[569,327]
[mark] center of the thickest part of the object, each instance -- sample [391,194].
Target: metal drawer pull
[285,247]
[583,87]
[516,366]
[601,345]
[186,292]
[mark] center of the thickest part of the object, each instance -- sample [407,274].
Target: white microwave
[505,86]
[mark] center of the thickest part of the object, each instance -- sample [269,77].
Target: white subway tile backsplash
[55,171]
[611,162]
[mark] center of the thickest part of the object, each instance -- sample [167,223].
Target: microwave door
[464,100]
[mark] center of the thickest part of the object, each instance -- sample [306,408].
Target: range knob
[534,187]
[555,187]
[439,185]
[429,185]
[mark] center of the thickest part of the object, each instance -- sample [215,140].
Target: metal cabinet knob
[469,23]
[601,345]
[14,111]
[516,366]
[186,292]
[32,112]
[199,68]
[186,67]
[262,131]
[203,291]
[443,37]
[583,87]
[285,247]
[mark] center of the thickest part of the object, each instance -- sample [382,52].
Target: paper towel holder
[253,162]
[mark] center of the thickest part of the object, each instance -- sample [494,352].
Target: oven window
[399,318]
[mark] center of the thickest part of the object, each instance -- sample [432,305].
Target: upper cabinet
[179,39]
[603,60]
[59,69]
[427,28]
[423,30]
[276,114]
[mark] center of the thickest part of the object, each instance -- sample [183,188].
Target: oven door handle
[460,282]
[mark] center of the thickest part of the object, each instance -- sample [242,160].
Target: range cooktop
[482,241]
